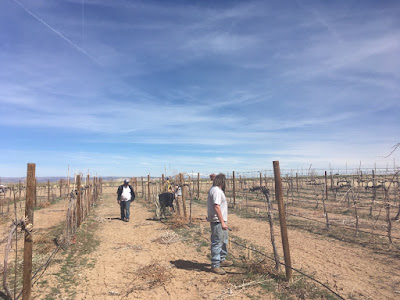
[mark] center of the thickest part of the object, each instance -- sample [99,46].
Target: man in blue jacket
[125,196]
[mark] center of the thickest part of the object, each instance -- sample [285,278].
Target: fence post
[68,183]
[163,183]
[136,189]
[198,186]
[183,195]
[61,184]
[88,192]
[282,220]
[35,192]
[233,189]
[373,193]
[148,187]
[323,201]
[48,191]
[260,179]
[94,189]
[78,200]
[143,195]
[19,193]
[28,243]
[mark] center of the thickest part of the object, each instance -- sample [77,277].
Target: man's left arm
[119,195]
[132,194]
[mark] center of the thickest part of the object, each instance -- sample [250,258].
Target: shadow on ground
[200,267]
[191,265]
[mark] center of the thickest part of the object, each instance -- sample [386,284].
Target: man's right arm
[119,195]
[217,209]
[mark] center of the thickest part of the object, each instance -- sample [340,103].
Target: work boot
[226,263]
[218,270]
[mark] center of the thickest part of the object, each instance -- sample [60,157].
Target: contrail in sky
[58,33]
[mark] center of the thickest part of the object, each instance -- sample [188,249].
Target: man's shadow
[191,265]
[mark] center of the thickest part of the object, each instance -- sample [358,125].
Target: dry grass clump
[44,244]
[177,222]
[148,277]
[167,238]
[43,204]
[260,267]
[135,248]
[154,274]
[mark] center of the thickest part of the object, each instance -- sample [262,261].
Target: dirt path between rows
[126,256]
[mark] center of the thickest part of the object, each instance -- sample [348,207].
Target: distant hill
[12,180]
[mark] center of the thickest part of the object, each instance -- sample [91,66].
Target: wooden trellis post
[48,191]
[373,193]
[19,193]
[28,243]
[323,201]
[282,220]
[183,195]
[88,193]
[78,200]
[143,196]
[35,192]
[198,186]
[68,183]
[148,187]
[94,189]
[233,189]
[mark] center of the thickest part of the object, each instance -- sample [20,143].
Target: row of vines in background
[360,206]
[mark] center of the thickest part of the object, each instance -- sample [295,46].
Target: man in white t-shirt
[217,215]
[125,195]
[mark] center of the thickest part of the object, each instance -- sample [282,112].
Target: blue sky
[129,87]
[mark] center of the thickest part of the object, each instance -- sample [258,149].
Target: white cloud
[213,86]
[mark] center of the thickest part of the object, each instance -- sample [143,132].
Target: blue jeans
[125,205]
[219,241]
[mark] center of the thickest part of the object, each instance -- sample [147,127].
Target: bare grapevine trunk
[271,226]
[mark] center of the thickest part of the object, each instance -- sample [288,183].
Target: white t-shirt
[216,196]
[179,191]
[126,194]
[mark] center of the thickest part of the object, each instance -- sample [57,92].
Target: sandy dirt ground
[43,219]
[127,249]
[354,271]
